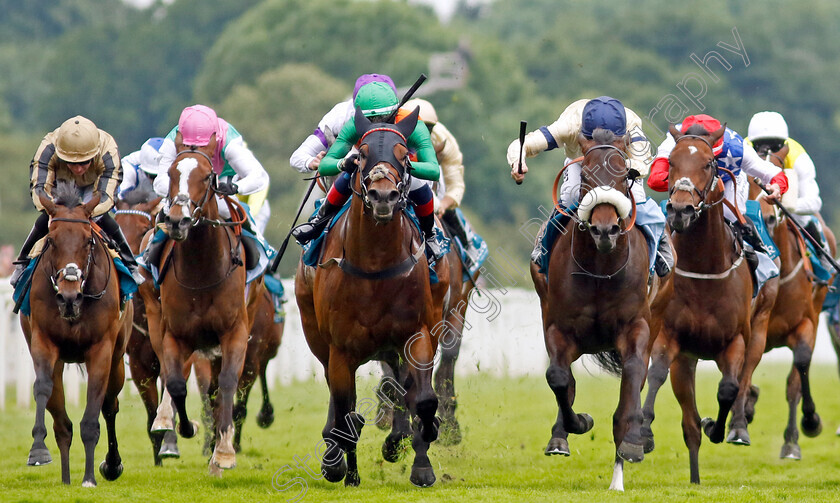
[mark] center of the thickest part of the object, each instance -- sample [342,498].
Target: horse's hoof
[450,432]
[738,436]
[336,472]
[791,451]
[707,424]
[265,417]
[39,457]
[587,421]
[188,430]
[89,483]
[811,428]
[393,449]
[352,479]
[168,450]
[109,472]
[558,446]
[160,425]
[224,460]
[214,471]
[422,477]
[632,453]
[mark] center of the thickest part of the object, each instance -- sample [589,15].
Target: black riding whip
[522,126]
[285,244]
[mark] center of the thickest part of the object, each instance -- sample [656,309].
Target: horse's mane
[697,130]
[603,136]
[143,193]
[65,194]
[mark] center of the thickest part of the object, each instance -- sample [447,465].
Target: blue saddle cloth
[127,284]
[313,249]
[476,250]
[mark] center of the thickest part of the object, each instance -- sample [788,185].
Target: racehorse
[711,313]
[75,317]
[604,252]
[372,299]
[202,297]
[795,315]
[136,215]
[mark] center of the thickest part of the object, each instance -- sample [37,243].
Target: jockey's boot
[39,229]
[664,262]
[427,225]
[308,231]
[112,228]
[750,235]
[813,228]
[456,229]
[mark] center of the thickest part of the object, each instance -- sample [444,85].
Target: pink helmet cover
[197,124]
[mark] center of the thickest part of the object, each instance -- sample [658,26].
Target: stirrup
[433,252]
[308,231]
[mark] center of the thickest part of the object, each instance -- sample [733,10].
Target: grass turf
[506,425]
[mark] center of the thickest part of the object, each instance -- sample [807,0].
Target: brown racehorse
[604,252]
[372,295]
[203,303]
[711,314]
[795,315]
[136,215]
[75,318]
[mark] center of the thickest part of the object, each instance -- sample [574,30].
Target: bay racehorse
[371,299]
[795,316]
[75,317]
[136,214]
[711,313]
[203,296]
[595,300]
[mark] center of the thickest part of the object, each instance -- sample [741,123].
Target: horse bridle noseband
[72,270]
[628,192]
[703,194]
[402,184]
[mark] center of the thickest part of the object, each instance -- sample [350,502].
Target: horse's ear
[149,207]
[361,122]
[46,202]
[585,143]
[674,131]
[715,136]
[90,205]
[179,141]
[406,126]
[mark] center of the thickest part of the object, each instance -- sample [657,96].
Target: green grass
[506,424]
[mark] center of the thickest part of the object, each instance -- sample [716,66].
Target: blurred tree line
[274,67]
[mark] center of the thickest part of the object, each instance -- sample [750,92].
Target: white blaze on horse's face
[692,149]
[185,167]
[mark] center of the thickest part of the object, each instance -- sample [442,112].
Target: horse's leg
[265,417]
[423,402]
[145,379]
[98,362]
[62,426]
[731,363]
[387,395]
[561,354]
[174,356]
[806,333]
[450,347]
[738,433]
[790,449]
[243,391]
[682,382]
[44,358]
[112,467]
[346,426]
[400,419]
[664,351]
[834,332]
[234,345]
[206,375]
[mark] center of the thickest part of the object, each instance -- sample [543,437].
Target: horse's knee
[802,357]
[90,430]
[240,412]
[42,387]
[177,388]
[227,380]
[657,374]
[557,377]
[727,391]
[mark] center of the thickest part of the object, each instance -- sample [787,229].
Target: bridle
[212,185]
[71,271]
[384,152]
[628,192]
[714,180]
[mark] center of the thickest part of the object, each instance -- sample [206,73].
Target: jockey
[197,125]
[768,133]
[732,153]
[140,166]
[79,152]
[582,118]
[449,190]
[377,101]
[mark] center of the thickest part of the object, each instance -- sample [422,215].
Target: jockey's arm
[808,199]
[658,177]
[110,178]
[451,162]
[322,137]
[426,166]
[41,175]
[251,176]
[167,157]
[765,171]
[307,152]
[130,165]
[347,137]
[561,133]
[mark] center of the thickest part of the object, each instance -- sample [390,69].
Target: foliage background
[274,67]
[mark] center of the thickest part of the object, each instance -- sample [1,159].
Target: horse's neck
[787,245]
[707,243]
[365,242]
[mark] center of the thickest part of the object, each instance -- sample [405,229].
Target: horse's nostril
[614,230]
[393,196]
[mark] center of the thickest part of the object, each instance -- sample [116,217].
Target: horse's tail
[609,361]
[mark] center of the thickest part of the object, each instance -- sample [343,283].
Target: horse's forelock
[65,194]
[697,130]
[143,193]
[604,136]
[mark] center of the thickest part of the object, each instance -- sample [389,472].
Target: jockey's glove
[349,164]
[227,188]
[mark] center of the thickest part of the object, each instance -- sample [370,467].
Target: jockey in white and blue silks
[583,117]
[140,166]
[732,153]
[197,125]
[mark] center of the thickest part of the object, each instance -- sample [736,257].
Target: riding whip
[285,244]
[522,126]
